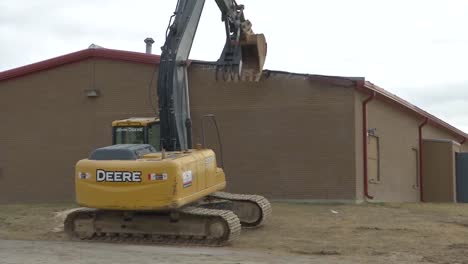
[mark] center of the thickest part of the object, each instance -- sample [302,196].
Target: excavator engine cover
[135,177]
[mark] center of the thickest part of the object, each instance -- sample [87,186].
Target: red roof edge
[384,95]
[78,56]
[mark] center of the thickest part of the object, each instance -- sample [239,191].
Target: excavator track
[252,210]
[208,227]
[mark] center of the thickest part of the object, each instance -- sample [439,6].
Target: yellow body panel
[156,183]
[135,121]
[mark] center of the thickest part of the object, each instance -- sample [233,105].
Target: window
[154,136]
[129,135]
[373,159]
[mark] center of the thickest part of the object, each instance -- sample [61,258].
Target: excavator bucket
[244,59]
[254,50]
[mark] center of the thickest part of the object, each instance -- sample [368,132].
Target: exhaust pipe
[149,45]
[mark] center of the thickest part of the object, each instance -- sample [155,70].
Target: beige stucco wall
[397,130]
[358,151]
[439,170]
[431,131]
[398,137]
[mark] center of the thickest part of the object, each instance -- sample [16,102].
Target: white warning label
[187,179]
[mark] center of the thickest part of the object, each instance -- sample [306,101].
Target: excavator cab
[141,130]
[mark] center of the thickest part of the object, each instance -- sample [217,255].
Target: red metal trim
[364,144]
[78,56]
[421,178]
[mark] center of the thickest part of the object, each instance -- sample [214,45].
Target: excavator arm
[244,53]
[243,49]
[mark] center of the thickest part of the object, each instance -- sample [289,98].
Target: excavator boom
[243,49]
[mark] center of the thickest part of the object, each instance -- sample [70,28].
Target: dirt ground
[300,233]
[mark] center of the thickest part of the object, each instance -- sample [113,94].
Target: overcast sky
[417,50]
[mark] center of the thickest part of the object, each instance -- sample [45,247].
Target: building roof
[384,95]
[359,83]
[79,56]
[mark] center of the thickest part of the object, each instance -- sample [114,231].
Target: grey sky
[415,49]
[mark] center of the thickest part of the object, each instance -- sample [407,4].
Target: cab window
[129,135]
[154,136]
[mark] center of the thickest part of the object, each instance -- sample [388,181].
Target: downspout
[364,144]
[421,178]
[463,141]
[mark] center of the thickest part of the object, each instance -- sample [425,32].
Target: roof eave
[369,88]
[79,56]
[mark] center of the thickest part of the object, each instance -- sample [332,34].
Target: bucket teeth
[228,73]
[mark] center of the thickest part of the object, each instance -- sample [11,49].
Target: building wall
[285,137]
[432,132]
[288,136]
[49,123]
[439,170]
[397,130]
[358,153]
[397,133]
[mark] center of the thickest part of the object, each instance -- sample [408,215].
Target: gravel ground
[298,233]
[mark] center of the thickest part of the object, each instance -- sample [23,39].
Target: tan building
[289,136]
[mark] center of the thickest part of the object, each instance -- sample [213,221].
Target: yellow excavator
[151,185]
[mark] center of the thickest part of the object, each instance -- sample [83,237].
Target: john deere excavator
[150,185]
